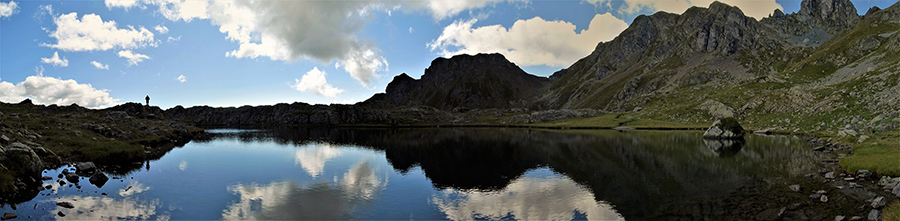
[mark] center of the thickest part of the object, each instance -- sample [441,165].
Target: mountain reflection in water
[445,173]
[638,172]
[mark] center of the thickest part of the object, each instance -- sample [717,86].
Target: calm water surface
[426,174]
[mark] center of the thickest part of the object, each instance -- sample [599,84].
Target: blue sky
[243,52]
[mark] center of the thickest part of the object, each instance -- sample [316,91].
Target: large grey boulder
[85,167]
[726,128]
[18,155]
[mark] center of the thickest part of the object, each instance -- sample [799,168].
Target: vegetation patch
[879,154]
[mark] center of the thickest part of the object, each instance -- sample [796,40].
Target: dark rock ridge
[461,83]
[457,84]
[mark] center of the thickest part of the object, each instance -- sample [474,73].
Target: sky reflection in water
[457,174]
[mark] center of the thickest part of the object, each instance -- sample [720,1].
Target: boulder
[28,162]
[896,190]
[84,167]
[726,128]
[874,215]
[878,202]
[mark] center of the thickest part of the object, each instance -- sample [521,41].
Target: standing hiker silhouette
[147,99]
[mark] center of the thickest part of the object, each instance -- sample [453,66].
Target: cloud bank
[528,42]
[754,8]
[49,90]
[91,33]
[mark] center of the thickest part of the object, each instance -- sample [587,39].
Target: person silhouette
[147,99]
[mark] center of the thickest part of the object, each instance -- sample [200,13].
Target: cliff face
[665,50]
[815,22]
[461,83]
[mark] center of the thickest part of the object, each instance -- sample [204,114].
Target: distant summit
[463,82]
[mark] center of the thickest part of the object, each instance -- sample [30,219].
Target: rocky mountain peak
[815,22]
[828,10]
[463,82]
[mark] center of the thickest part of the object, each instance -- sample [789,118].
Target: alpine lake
[452,173]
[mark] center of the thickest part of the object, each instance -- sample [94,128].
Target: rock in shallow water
[726,128]
[7,216]
[65,205]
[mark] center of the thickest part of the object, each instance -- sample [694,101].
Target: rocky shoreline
[37,137]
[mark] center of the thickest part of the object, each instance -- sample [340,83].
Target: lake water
[427,174]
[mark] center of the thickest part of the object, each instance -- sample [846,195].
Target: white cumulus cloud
[133,58]
[55,60]
[325,31]
[181,78]
[120,3]
[92,33]
[754,8]
[442,9]
[161,29]
[99,65]
[8,8]
[529,42]
[49,90]
[314,81]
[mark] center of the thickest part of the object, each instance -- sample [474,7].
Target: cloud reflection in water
[312,160]
[288,200]
[526,199]
[107,208]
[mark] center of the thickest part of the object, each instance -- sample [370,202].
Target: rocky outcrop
[725,128]
[716,109]
[461,83]
[661,51]
[815,22]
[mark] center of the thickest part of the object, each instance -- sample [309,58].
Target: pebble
[829,175]
[839,218]
[824,198]
[795,188]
